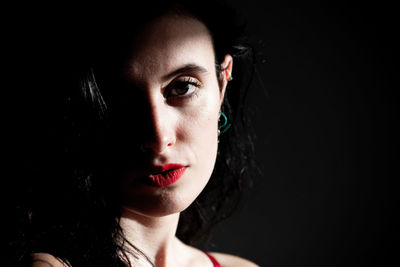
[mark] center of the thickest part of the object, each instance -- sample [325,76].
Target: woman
[140,142]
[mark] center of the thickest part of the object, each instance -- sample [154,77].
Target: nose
[161,130]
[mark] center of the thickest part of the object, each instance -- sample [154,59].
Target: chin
[153,201]
[160,202]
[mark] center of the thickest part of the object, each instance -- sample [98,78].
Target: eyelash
[187,81]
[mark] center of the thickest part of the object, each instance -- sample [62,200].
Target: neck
[154,236]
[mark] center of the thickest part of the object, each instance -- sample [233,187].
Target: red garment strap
[214,261]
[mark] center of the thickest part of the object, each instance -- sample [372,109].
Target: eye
[183,88]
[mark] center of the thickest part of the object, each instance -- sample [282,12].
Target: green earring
[225,126]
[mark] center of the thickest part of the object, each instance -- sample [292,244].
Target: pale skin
[184,130]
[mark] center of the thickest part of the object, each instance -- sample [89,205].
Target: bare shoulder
[46,260]
[227,260]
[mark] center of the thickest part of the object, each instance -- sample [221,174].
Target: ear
[225,75]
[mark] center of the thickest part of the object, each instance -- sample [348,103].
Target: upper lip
[166,167]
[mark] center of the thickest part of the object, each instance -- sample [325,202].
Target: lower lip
[168,177]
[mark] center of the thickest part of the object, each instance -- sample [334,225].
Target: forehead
[167,43]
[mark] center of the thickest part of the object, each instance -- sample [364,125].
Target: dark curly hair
[66,189]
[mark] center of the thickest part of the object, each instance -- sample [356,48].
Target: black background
[326,139]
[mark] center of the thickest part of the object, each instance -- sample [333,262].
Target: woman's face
[175,98]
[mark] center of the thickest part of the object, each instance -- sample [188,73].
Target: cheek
[201,120]
[200,133]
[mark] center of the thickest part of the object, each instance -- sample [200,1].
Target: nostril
[158,142]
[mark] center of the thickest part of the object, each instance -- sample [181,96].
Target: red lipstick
[169,174]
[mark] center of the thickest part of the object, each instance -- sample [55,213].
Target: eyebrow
[191,68]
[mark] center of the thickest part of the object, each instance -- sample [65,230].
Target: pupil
[183,89]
